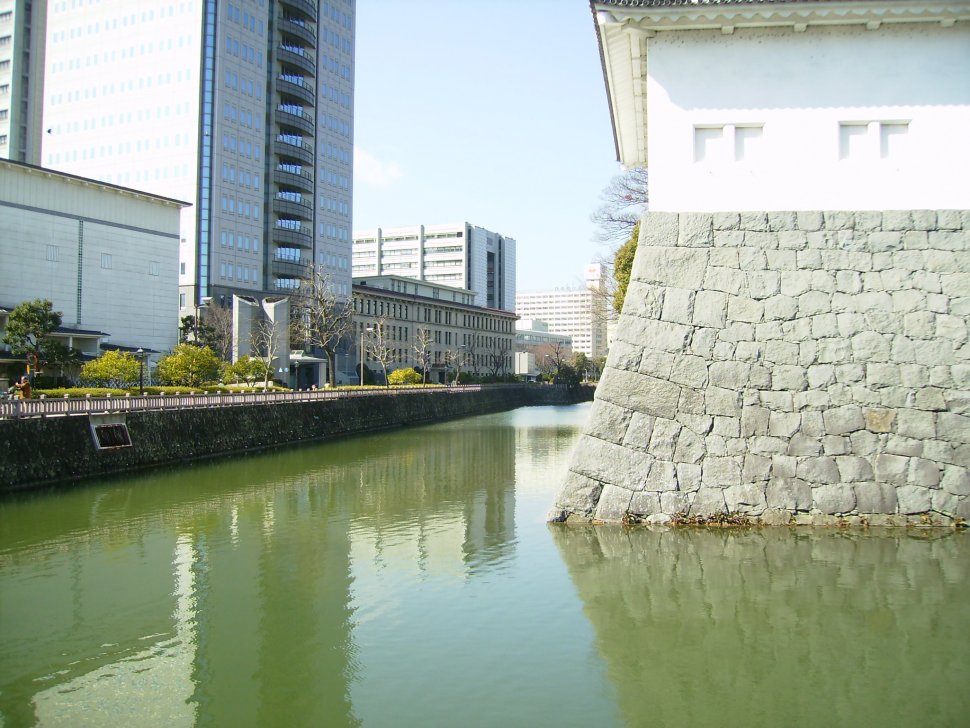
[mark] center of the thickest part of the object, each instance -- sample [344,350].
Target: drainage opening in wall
[109,431]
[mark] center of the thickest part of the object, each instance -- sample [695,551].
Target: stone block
[691,371]
[924,473]
[778,221]
[625,356]
[907,446]
[853,468]
[885,242]
[639,392]
[812,303]
[834,499]
[754,221]
[663,440]
[892,469]
[755,469]
[781,352]
[919,424]
[702,342]
[726,244]
[613,505]
[875,497]
[803,446]
[696,230]
[818,470]
[879,420]
[579,494]
[655,363]
[897,220]
[638,433]
[783,424]
[754,421]
[678,306]
[689,477]
[644,300]
[708,502]
[783,466]
[644,504]
[729,374]
[746,310]
[930,398]
[790,494]
[657,335]
[812,424]
[763,284]
[726,280]
[663,476]
[691,404]
[821,376]
[843,420]
[789,378]
[870,346]
[914,499]
[729,427]
[690,447]
[723,402]
[721,472]
[659,228]
[955,480]
[672,267]
[726,220]
[747,498]
[775,517]
[674,503]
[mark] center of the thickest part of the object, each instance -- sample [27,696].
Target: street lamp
[140,355]
[368,330]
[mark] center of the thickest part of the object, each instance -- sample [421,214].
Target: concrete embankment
[45,450]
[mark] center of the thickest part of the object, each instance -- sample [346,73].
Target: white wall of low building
[106,257]
[830,118]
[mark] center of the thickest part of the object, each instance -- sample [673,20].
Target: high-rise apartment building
[243,107]
[22,36]
[580,313]
[461,256]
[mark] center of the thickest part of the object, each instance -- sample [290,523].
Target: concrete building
[23,26]
[243,108]
[398,314]
[537,349]
[104,255]
[462,256]
[579,313]
[757,106]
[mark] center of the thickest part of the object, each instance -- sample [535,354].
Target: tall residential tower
[244,108]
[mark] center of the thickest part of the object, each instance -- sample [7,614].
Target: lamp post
[368,330]
[140,355]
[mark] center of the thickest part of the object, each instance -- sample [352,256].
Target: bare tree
[319,317]
[551,357]
[623,201]
[498,357]
[266,344]
[377,345]
[422,351]
[217,322]
[457,357]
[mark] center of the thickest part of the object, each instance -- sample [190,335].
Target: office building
[22,41]
[243,108]
[442,322]
[103,255]
[461,256]
[578,312]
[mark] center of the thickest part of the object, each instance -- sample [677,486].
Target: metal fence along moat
[67,406]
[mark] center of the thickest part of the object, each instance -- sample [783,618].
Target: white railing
[67,406]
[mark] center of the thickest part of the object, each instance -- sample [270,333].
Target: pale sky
[492,112]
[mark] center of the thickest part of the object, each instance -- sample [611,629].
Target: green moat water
[409,579]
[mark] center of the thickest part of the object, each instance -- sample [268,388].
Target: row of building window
[229,239]
[334,204]
[244,273]
[244,177]
[243,84]
[242,116]
[241,207]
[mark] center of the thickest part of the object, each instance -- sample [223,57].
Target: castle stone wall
[787,366]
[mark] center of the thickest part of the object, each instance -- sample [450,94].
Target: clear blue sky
[490,111]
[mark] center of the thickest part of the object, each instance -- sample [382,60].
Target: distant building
[105,256]
[23,30]
[462,256]
[788,105]
[579,313]
[457,332]
[537,349]
[243,108]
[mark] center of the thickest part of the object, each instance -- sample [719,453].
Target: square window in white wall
[153,267]
[855,142]
[748,142]
[708,143]
[106,261]
[893,139]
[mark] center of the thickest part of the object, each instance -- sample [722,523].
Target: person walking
[23,387]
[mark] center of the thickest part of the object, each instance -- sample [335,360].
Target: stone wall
[809,366]
[41,450]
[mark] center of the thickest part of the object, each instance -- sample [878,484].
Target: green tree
[112,369]
[623,267]
[29,329]
[404,376]
[189,365]
[248,369]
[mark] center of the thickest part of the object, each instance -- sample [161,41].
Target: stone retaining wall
[812,366]
[39,450]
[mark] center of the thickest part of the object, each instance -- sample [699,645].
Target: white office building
[22,40]
[461,256]
[103,255]
[578,312]
[243,108]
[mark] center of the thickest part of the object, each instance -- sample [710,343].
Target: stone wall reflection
[769,627]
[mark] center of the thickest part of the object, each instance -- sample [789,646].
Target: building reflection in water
[224,593]
[775,627]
